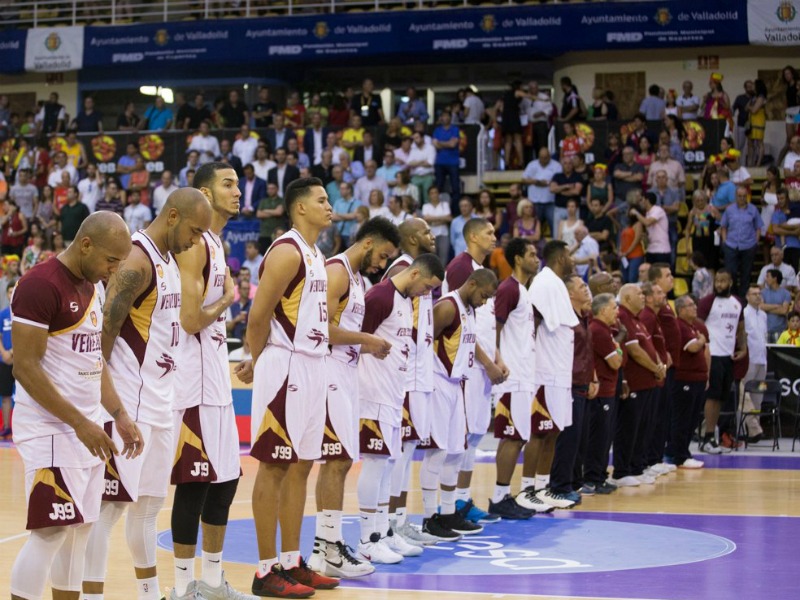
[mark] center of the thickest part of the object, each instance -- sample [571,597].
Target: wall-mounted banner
[774,22]
[53,49]
[12,50]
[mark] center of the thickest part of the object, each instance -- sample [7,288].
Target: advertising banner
[773,22]
[784,363]
[12,50]
[54,49]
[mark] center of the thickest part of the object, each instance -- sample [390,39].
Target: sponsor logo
[219,338]
[159,271]
[104,148]
[167,363]
[52,42]
[456,44]
[316,336]
[406,351]
[292,387]
[786,12]
[624,36]
[127,57]
[161,38]
[285,50]
[321,30]
[663,17]
[352,353]
[488,23]
[93,317]
[151,146]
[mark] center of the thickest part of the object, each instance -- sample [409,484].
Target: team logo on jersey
[219,338]
[159,271]
[428,339]
[729,327]
[352,353]
[93,317]
[211,251]
[167,363]
[333,387]
[317,336]
[292,387]
[406,351]
[308,259]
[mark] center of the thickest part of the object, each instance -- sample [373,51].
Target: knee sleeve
[141,531]
[28,578]
[369,482]
[386,483]
[67,571]
[468,458]
[218,502]
[431,469]
[402,469]
[96,562]
[186,508]
[452,465]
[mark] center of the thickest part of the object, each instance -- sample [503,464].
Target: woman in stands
[527,226]
[756,109]
[567,227]
[717,104]
[512,124]
[631,249]
[790,80]
[487,209]
[644,157]
[600,187]
[700,227]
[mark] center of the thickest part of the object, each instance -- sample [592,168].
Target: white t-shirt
[683,102]
[440,210]
[658,232]
[535,170]
[204,145]
[136,215]
[473,110]
[245,149]
[589,247]
[90,193]
[160,195]
[755,324]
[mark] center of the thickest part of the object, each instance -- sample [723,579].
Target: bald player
[416,239]
[63,387]
[141,345]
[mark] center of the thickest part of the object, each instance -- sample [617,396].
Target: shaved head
[411,227]
[601,283]
[103,228]
[416,237]
[187,201]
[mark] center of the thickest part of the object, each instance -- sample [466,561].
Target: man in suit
[282,174]
[253,191]
[368,151]
[228,157]
[314,139]
[279,134]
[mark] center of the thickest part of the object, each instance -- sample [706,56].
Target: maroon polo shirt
[693,365]
[637,376]
[603,347]
[672,336]
[650,320]
[583,361]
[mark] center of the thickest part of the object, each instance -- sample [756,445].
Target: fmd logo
[285,50]
[624,37]
[457,44]
[127,57]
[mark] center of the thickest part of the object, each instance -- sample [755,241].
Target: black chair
[796,435]
[770,391]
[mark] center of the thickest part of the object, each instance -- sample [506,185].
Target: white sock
[500,492]
[368,525]
[148,589]
[184,574]
[289,560]
[212,568]
[329,525]
[400,516]
[430,502]
[93,597]
[527,482]
[265,566]
[542,481]
[448,502]
[382,520]
[462,494]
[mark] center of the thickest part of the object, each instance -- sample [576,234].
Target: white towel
[549,296]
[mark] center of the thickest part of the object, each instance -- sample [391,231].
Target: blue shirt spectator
[779,298]
[5,319]
[741,225]
[240,310]
[784,241]
[446,152]
[158,116]
[412,110]
[346,206]
[467,212]
[725,195]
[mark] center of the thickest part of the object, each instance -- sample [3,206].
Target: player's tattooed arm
[124,287]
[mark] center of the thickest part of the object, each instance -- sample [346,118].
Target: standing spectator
[377,207]
[691,379]
[199,112]
[140,181]
[568,227]
[245,147]
[722,314]
[272,214]
[446,141]
[790,79]
[344,210]
[702,281]
[421,159]
[367,105]
[474,107]
[25,194]
[31,254]
[323,170]
[14,228]
[254,190]
[158,117]
[162,191]
[598,110]
[585,252]
[236,323]
[234,112]
[71,215]
[756,109]
[282,174]
[389,170]
[466,212]
[486,208]
[741,114]
[88,120]
[332,187]
[41,163]
[396,213]
[412,110]
[278,135]
[600,226]
[60,166]
[295,111]
[264,109]
[572,108]
[776,302]
[566,185]
[740,229]
[786,234]
[315,107]
[438,216]
[6,363]
[526,225]
[183,114]
[655,221]
[653,106]
[688,103]
[739,175]
[75,150]
[700,227]
[339,113]
[725,194]
[541,110]
[755,326]
[716,103]
[205,144]
[792,156]
[671,200]
[370,181]
[631,248]
[776,262]
[314,138]
[192,164]
[262,164]
[353,136]
[600,188]
[137,215]
[252,260]
[511,124]
[644,157]
[538,176]
[91,187]
[128,160]
[51,117]
[628,175]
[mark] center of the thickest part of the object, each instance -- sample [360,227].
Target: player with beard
[376,241]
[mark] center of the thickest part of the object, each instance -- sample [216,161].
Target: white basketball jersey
[300,320]
[486,326]
[517,337]
[389,315]
[204,376]
[420,375]
[455,346]
[349,313]
[145,358]
[722,324]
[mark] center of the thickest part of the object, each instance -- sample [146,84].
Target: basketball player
[288,338]
[141,343]
[205,467]
[480,238]
[390,315]
[515,339]
[376,241]
[416,239]
[552,406]
[456,351]
[62,381]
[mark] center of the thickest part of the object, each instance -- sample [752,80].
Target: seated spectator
[75,150]
[389,170]
[402,153]
[466,212]
[236,323]
[585,253]
[487,209]
[676,177]
[301,158]
[396,213]
[352,171]
[410,206]
[279,135]
[600,187]
[113,199]
[438,216]
[793,155]
[567,227]
[791,337]
[30,256]
[526,225]
[262,163]
[776,303]
[789,277]
[60,164]
[600,226]
[613,151]
[370,181]
[344,209]
[15,225]
[162,191]
[377,205]
[157,117]
[323,170]
[136,214]
[412,110]
[566,186]
[272,214]
[252,260]
[330,241]
[792,179]
[702,280]
[636,131]
[368,150]
[394,134]
[45,213]
[88,120]
[332,187]
[404,186]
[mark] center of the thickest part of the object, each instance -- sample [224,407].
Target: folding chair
[770,391]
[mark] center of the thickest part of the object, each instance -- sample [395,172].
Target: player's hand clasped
[133,444]
[244,371]
[96,440]
[377,347]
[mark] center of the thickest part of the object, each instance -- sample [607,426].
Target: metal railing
[48,13]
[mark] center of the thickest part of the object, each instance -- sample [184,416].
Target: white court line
[486,594]
[13,537]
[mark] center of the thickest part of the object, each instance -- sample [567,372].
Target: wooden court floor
[752,498]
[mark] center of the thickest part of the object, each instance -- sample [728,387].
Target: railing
[48,13]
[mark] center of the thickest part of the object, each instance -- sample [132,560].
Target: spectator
[30,256]
[585,252]
[10,270]
[323,170]
[71,215]
[669,199]
[787,233]
[526,225]
[421,159]
[245,146]
[236,323]
[90,188]
[353,136]
[367,105]
[791,337]
[790,79]
[446,141]
[295,111]
[716,103]
[438,216]
[572,108]
[631,248]
[227,156]
[315,107]
[112,199]
[314,138]
[339,113]
[377,206]
[498,261]
[511,124]
[740,229]
[676,177]
[140,181]
[262,164]
[329,240]
[600,226]
[352,171]
[45,212]
[282,174]
[396,213]
[474,107]
[205,144]
[192,163]
[570,144]
[539,114]
[389,170]
[162,191]
[198,113]
[600,188]
[644,157]
[51,117]
[60,165]
[598,110]
[793,155]
[671,103]
[264,109]
[41,162]
[628,175]
[655,221]
[279,134]
[702,281]
[739,175]
[234,112]
[755,116]
[332,187]
[566,185]
[538,176]
[788,274]
[254,190]
[272,214]
[466,212]
[487,209]
[567,227]
[252,260]
[24,194]
[158,117]
[688,103]
[403,152]
[412,109]
[700,228]
[725,194]
[60,191]
[137,215]
[776,303]
[510,213]
[370,181]
[88,120]
[344,209]
[183,114]
[653,107]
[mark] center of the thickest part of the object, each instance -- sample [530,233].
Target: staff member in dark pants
[6,364]
[691,377]
[642,372]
